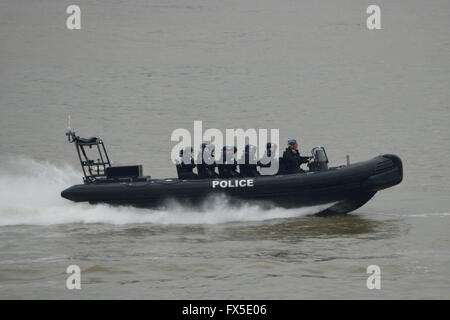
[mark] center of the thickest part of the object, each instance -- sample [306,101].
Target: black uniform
[268,160]
[292,161]
[227,169]
[246,168]
[206,165]
[187,168]
[186,165]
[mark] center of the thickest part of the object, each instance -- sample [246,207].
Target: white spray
[30,195]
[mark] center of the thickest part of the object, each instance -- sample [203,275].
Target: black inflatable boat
[345,188]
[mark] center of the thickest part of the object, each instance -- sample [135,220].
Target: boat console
[320,157]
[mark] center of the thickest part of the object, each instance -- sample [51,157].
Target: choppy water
[136,71]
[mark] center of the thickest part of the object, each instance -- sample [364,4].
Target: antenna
[69,133]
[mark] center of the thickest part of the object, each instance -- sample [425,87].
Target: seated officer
[205,162]
[186,164]
[227,169]
[292,159]
[247,166]
[269,160]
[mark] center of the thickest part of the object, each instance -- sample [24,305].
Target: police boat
[345,188]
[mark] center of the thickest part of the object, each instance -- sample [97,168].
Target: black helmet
[203,145]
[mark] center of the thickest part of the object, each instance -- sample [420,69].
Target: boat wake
[30,195]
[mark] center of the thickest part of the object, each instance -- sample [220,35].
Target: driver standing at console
[292,159]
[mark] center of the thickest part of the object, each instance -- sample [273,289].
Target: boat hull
[345,188]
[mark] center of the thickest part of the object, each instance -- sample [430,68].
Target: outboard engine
[320,159]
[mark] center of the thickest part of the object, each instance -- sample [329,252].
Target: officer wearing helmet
[292,159]
[205,162]
[228,167]
[269,159]
[248,163]
[186,164]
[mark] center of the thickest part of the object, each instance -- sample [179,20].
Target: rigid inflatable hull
[346,188]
